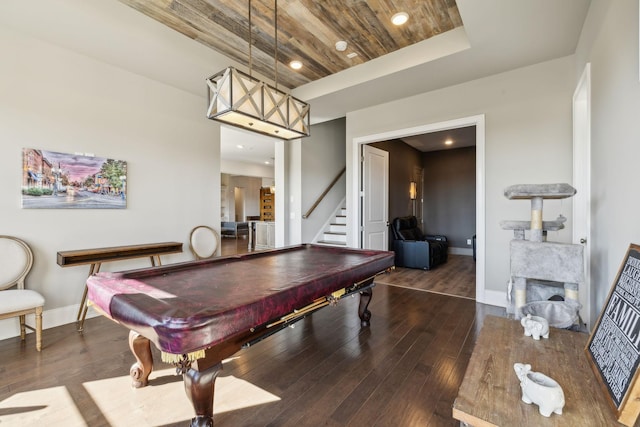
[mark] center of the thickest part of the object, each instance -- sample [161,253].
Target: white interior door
[582,183]
[375,198]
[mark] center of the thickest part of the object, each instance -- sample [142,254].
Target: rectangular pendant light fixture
[240,100]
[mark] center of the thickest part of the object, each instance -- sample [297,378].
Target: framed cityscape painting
[52,180]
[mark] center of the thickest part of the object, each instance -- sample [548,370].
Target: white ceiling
[244,146]
[435,141]
[498,35]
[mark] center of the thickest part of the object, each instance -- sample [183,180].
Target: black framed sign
[613,349]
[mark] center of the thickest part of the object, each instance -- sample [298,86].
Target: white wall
[282,159]
[528,141]
[52,98]
[322,159]
[609,41]
[293,203]
[251,186]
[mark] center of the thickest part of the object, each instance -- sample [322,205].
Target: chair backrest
[406,228]
[16,260]
[203,242]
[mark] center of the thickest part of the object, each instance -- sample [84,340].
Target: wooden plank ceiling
[307,30]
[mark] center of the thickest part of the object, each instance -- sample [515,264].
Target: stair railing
[324,193]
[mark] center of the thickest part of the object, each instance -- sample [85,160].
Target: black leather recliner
[415,250]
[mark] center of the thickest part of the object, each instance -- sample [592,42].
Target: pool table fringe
[177,358]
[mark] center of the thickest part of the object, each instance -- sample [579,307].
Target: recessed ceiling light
[296,65]
[352,55]
[399,18]
[448,142]
[341,46]
[266,162]
[240,146]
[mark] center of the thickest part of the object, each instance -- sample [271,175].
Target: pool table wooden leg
[141,349]
[200,386]
[363,312]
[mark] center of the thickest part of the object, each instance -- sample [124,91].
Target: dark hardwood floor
[231,246]
[456,277]
[403,370]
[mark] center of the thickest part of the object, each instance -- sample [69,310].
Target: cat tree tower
[545,275]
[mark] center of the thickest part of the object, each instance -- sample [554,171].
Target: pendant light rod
[275,56]
[250,42]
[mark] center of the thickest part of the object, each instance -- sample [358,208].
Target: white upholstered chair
[203,242]
[16,260]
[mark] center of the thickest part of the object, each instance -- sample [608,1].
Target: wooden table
[490,393]
[95,257]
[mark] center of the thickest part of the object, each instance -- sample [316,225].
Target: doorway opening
[482,296]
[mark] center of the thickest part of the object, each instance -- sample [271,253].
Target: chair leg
[38,328]
[23,332]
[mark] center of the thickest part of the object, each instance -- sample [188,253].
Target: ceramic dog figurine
[540,389]
[535,326]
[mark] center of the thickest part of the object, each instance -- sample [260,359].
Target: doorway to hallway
[479,123]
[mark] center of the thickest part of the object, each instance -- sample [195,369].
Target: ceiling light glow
[448,142]
[400,18]
[296,65]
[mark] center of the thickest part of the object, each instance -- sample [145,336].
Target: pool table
[199,313]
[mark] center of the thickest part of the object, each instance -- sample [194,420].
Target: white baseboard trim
[10,328]
[461,251]
[497,298]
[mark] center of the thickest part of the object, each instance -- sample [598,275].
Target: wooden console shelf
[95,257]
[490,393]
[117,253]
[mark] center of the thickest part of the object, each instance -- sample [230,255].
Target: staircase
[336,232]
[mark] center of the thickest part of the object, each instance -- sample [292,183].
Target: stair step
[331,243]
[339,228]
[335,236]
[336,233]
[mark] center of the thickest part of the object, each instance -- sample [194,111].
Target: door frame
[581,203]
[482,296]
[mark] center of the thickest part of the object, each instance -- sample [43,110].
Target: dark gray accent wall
[449,189]
[402,160]
[450,194]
